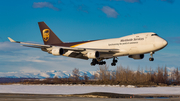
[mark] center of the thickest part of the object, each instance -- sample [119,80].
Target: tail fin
[48,35]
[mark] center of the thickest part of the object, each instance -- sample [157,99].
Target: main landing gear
[114,62]
[100,62]
[94,62]
[151,58]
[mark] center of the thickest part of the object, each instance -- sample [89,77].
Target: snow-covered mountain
[43,74]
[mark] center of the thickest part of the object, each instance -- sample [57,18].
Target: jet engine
[93,54]
[138,56]
[57,51]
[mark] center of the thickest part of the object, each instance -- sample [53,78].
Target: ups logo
[46,33]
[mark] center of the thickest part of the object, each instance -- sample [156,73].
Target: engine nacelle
[139,56]
[93,54]
[57,51]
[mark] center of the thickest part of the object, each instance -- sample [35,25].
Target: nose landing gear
[151,58]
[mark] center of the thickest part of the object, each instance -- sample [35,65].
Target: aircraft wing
[30,44]
[65,48]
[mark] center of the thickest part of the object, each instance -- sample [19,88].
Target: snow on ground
[78,89]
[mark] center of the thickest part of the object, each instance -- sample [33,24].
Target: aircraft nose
[160,43]
[164,43]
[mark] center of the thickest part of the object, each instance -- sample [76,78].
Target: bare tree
[160,75]
[56,80]
[113,75]
[165,75]
[76,74]
[103,73]
[138,75]
[95,76]
[176,72]
[85,76]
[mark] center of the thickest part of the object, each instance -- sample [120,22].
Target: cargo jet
[134,46]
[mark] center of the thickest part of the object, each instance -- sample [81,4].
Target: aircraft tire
[93,64]
[113,64]
[151,59]
[103,62]
[115,61]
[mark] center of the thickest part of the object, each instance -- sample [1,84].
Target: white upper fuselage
[129,45]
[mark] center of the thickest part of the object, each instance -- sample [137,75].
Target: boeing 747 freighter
[134,46]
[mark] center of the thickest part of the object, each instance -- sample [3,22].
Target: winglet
[11,39]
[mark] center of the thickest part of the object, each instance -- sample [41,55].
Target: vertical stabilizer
[48,35]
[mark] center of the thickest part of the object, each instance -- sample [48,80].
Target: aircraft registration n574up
[134,46]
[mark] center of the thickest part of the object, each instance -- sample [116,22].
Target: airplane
[134,46]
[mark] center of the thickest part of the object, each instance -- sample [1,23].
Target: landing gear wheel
[151,59]
[115,61]
[93,64]
[102,63]
[113,64]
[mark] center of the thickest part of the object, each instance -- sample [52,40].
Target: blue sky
[80,20]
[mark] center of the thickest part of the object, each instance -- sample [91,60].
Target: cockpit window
[154,35]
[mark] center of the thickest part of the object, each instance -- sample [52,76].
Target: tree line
[120,76]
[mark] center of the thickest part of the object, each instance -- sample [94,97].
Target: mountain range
[43,74]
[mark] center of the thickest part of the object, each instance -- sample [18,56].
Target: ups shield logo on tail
[46,33]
